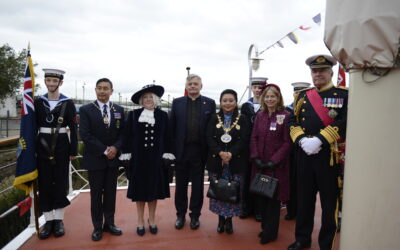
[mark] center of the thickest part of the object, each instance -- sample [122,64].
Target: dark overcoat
[147,143]
[273,145]
[238,146]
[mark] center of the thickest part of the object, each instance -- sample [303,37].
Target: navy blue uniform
[318,172]
[53,176]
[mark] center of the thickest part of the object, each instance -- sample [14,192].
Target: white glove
[126,156]
[311,145]
[168,156]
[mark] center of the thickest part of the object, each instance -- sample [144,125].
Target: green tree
[12,67]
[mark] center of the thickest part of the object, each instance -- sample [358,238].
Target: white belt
[44,130]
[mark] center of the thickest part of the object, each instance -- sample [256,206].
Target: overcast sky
[138,41]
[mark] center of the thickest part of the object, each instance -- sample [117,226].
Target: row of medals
[333,102]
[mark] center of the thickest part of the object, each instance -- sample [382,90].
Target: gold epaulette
[295,131]
[342,87]
[297,107]
[330,134]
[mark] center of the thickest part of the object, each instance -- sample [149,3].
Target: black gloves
[271,165]
[259,164]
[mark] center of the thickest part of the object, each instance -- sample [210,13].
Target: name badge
[272,127]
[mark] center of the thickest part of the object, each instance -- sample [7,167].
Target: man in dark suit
[101,126]
[188,122]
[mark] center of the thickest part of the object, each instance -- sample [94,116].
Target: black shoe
[97,235]
[228,225]
[297,245]
[243,215]
[153,229]
[180,222]
[46,230]
[140,231]
[264,238]
[290,217]
[58,228]
[258,217]
[112,229]
[221,224]
[194,223]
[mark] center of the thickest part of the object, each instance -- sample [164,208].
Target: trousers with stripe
[314,174]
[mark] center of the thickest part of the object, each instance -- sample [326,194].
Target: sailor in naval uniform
[54,113]
[317,125]
[250,204]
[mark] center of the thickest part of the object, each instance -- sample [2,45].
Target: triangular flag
[280,44]
[293,37]
[317,19]
[302,27]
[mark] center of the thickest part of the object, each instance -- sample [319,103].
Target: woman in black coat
[147,140]
[228,135]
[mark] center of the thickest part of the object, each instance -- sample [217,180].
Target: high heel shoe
[153,229]
[228,225]
[221,224]
[140,231]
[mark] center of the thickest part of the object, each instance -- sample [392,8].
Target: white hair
[156,99]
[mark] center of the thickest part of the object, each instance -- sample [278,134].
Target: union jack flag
[26,171]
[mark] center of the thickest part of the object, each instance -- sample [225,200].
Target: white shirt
[53,104]
[101,105]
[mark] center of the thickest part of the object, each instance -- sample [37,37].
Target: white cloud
[136,42]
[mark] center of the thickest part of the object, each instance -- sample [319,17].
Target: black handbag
[264,185]
[223,190]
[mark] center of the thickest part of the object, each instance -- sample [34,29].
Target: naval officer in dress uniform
[316,126]
[54,113]
[101,129]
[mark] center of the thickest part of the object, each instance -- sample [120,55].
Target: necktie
[105,115]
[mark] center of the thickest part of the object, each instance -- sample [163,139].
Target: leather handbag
[264,185]
[223,190]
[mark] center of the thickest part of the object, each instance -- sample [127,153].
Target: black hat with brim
[156,89]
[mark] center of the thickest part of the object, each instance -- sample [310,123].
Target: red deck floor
[79,228]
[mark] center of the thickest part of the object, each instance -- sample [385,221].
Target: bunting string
[292,36]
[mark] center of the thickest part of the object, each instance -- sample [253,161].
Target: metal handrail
[8,165]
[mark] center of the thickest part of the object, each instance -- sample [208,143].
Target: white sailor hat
[259,80]
[54,73]
[320,61]
[300,85]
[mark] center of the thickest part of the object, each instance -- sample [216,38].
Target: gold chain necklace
[226,137]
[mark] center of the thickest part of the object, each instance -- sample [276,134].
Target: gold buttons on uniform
[303,110]
[303,119]
[335,93]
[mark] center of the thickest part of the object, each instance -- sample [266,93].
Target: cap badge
[320,59]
